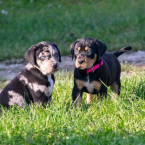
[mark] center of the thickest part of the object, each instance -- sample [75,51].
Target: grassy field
[116,22]
[111,121]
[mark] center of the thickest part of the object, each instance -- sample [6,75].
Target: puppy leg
[103,92]
[76,97]
[99,96]
[89,98]
[119,86]
[50,100]
[115,86]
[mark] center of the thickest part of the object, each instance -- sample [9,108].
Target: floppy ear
[72,47]
[101,47]
[30,55]
[58,51]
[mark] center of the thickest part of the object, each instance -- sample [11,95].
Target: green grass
[116,22]
[119,121]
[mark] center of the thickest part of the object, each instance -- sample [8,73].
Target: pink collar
[95,67]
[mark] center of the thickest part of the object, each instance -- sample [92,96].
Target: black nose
[54,66]
[81,61]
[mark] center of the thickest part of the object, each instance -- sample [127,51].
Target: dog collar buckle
[92,69]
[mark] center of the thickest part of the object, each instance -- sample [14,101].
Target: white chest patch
[89,86]
[50,88]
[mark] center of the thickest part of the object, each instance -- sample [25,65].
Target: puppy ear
[30,55]
[72,47]
[101,47]
[58,51]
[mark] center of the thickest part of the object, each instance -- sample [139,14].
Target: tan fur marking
[97,85]
[77,63]
[86,48]
[89,98]
[114,87]
[80,84]
[90,62]
[94,84]
[79,48]
[87,64]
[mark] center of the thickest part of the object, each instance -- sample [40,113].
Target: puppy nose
[81,61]
[54,66]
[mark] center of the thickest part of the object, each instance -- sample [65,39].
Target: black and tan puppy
[35,83]
[94,69]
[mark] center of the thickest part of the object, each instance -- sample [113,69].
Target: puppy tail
[122,50]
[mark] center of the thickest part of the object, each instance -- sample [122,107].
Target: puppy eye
[55,55]
[43,57]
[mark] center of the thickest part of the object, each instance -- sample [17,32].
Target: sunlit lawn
[110,121]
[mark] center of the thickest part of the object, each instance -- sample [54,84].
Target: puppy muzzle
[81,59]
[56,66]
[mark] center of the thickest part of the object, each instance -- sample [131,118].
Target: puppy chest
[89,85]
[50,87]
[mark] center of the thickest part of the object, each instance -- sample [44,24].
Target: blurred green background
[25,22]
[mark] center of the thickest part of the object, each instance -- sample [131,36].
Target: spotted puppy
[95,69]
[35,83]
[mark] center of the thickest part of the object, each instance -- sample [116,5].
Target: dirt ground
[9,69]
